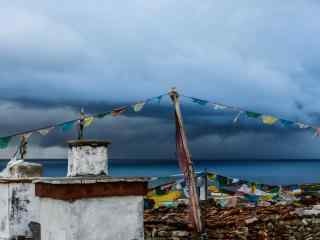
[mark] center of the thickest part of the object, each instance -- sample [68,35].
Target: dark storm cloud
[261,56]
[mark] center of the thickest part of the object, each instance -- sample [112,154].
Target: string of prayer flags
[67,126]
[269,120]
[200,101]
[45,131]
[4,142]
[116,112]
[253,114]
[88,121]
[266,119]
[138,106]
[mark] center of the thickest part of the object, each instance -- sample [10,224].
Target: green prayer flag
[101,115]
[253,114]
[4,142]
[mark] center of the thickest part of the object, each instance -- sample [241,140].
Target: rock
[180,234]
[251,220]
[163,234]
[305,222]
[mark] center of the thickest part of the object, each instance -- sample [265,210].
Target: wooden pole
[81,124]
[23,147]
[206,183]
[186,164]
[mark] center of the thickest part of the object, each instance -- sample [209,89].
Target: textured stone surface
[18,206]
[287,222]
[25,170]
[87,160]
[115,218]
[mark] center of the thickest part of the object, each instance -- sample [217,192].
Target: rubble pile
[292,222]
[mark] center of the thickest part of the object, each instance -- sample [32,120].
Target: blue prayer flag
[200,101]
[67,126]
[286,123]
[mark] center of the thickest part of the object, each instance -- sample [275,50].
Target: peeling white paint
[87,160]
[18,207]
[113,218]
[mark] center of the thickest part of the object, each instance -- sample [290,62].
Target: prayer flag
[118,111]
[286,123]
[101,115]
[4,142]
[88,121]
[236,119]
[317,132]
[302,125]
[269,120]
[45,131]
[199,101]
[138,106]
[67,126]
[217,106]
[159,98]
[253,114]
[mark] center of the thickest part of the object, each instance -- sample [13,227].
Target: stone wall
[290,222]
[18,207]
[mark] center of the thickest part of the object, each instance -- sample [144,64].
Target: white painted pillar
[87,157]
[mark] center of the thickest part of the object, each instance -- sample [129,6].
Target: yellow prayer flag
[88,121]
[269,120]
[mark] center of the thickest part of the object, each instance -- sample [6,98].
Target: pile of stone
[292,222]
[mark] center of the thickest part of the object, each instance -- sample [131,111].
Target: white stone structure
[88,205]
[91,208]
[18,207]
[87,157]
[18,204]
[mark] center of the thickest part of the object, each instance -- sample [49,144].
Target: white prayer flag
[45,131]
[138,106]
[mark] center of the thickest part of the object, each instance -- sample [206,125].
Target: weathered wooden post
[186,164]
[81,124]
[206,183]
[23,146]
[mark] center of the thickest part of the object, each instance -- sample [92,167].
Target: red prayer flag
[118,111]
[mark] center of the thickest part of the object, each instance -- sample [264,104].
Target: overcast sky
[259,55]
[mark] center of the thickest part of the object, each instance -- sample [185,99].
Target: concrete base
[18,207]
[114,218]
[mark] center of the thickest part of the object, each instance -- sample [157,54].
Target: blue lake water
[263,171]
